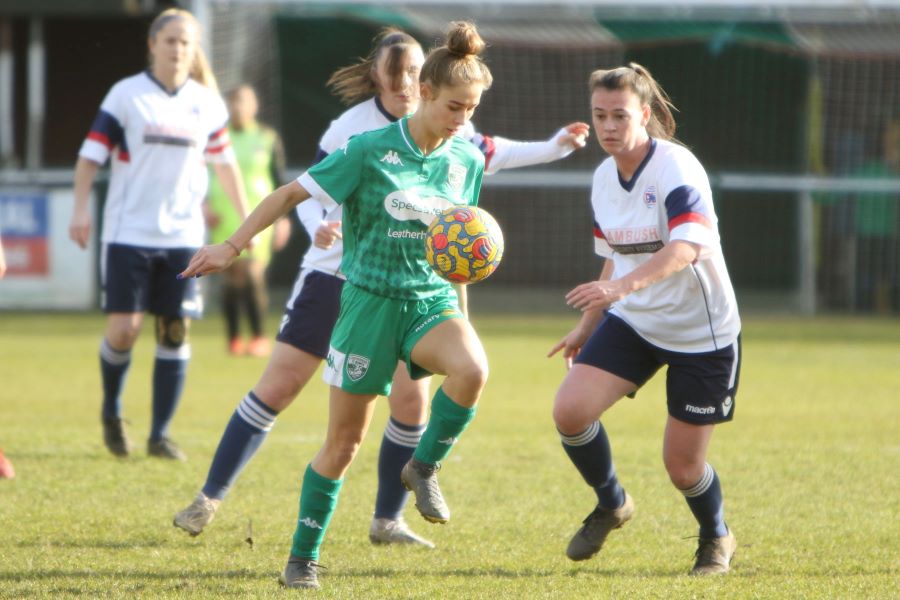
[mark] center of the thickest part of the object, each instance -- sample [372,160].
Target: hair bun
[463,39]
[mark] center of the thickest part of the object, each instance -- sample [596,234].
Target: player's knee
[278,392]
[473,375]
[567,418]
[122,339]
[341,449]
[409,405]
[683,473]
[171,332]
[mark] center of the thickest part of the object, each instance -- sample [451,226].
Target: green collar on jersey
[407,137]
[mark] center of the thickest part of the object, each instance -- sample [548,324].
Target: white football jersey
[162,142]
[667,199]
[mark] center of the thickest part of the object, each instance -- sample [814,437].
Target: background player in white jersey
[393,306]
[159,128]
[663,298]
[382,88]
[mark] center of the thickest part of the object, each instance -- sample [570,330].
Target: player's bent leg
[122,330]
[287,372]
[452,408]
[452,348]
[409,410]
[684,454]
[585,394]
[173,352]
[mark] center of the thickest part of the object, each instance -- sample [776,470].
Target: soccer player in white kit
[382,89]
[159,128]
[663,298]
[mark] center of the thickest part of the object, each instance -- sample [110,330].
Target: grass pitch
[810,469]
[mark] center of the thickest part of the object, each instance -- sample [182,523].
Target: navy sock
[707,504]
[169,372]
[246,431]
[397,447]
[589,452]
[113,369]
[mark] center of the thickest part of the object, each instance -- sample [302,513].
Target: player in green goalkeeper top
[391,183]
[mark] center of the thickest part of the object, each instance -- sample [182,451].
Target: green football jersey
[390,193]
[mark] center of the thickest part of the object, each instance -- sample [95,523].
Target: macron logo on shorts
[700,410]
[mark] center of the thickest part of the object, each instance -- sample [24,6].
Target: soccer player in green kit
[391,182]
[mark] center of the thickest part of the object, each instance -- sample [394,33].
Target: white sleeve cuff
[317,192]
[95,151]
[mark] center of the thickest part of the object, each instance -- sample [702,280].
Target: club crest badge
[456,176]
[357,366]
[650,197]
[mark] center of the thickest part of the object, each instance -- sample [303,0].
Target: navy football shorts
[141,279]
[700,387]
[311,313]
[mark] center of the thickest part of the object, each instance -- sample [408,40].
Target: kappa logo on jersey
[406,205]
[392,158]
[650,197]
[727,403]
[357,366]
[456,177]
[311,523]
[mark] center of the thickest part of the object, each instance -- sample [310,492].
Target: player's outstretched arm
[80,224]
[674,257]
[510,154]
[217,257]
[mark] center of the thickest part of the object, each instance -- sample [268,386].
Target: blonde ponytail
[201,72]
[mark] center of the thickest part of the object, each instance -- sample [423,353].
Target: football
[464,244]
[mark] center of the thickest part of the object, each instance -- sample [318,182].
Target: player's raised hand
[573,135]
[595,295]
[210,259]
[327,233]
[80,228]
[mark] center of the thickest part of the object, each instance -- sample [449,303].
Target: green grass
[810,469]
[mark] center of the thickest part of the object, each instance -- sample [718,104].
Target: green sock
[447,422]
[318,499]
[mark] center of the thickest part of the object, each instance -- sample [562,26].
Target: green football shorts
[373,332]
